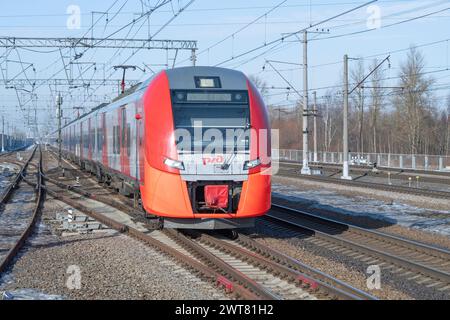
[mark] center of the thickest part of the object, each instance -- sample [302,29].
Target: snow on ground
[395,212]
[28,294]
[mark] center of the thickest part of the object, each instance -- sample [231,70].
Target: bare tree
[330,115]
[377,100]
[447,139]
[411,120]
[414,103]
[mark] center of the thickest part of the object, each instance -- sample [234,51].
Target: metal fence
[389,160]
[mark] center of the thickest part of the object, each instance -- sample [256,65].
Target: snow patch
[437,221]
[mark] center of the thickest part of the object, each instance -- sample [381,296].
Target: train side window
[92,138]
[99,139]
[118,139]
[124,114]
[86,140]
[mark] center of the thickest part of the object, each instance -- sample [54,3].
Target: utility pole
[35,124]
[3,133]
[59,102]
[347,92]
[345,127]
[315,125]
[305,168]
[8,139]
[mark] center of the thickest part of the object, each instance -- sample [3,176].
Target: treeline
[405,117]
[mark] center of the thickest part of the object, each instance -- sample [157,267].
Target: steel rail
[221,265]
[296,215]
[379,173]
[336,289]
[199,251]
[411,244]
[204,271]
[366,167]
[373,185]
[223,270]
[13,251]
[303,268]
[6,193]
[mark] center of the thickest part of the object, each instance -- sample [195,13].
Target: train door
[141,132]
[125,139]
[90,144]
[113,120]
[81,139]
[95,133]
[133,140]
[104,140]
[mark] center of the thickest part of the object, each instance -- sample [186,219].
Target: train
[191,144]
[12,143]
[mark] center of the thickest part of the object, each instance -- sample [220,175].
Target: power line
[170,20]
[348,34]
[241,29]
[281,39]
[330,4]
[381,27]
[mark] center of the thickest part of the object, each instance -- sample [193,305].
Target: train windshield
[211,122]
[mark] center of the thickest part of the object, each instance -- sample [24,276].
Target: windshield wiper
[227,163]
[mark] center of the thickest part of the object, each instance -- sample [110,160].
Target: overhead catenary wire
[170,20]
[232,35]
[281,39]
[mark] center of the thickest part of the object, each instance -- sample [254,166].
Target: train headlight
[251,164]
[174,164]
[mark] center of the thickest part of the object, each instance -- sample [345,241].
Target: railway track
[17,225]
[362,171]
[232,265]
[261,263]
[370,185]
[255,270]
[423,264]
[411,260]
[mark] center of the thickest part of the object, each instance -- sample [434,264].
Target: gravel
[111,265]
[109,270]
[341,266]
[365,221]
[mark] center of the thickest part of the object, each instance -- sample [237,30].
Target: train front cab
[176,185]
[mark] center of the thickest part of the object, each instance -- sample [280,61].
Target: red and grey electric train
[167,142]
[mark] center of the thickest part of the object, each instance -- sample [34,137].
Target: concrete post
[305,168]
[3,133]
[315,125]
[345,174]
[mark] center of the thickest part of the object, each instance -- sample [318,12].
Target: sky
[227,32]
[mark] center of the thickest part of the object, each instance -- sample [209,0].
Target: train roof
[184,78]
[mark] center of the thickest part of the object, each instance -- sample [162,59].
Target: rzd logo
[213,160]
